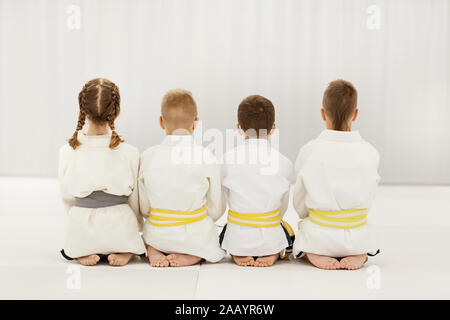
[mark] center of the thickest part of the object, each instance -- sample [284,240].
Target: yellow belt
[259,220]
[171,218]
[343,219]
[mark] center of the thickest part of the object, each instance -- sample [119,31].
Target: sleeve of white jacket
[144,203]
[133,199]
[299,195]
[299,198]
[215,198]
[67,198]
[290,176]
[284,203]
[224,190]
[376,162]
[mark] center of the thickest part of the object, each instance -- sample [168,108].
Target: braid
[113,113]
[73,141]
[115,138]
[115,100]
[82,98]
[99,101]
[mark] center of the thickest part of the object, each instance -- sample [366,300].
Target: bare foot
[266,261]
[244,261]
[119,259]
[353,262]
[323,262]
[182,260]
[89,260]
[156,257]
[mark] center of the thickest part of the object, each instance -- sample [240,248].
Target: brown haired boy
[336,182]
[256,179]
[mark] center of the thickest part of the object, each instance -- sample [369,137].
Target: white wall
[223,51]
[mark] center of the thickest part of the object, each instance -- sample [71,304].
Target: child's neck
[263,138]
[97,130]
[179,132]
[330,126]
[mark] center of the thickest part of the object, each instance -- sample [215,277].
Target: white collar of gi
[256,142]
[95,141]
[178,140]
[343,136]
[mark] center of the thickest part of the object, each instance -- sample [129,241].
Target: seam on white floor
[197,282]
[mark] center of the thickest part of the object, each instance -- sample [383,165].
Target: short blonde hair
[178,109]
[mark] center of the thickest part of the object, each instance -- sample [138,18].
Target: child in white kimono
[98,181]
[256,180]
[180,190]
[336,182]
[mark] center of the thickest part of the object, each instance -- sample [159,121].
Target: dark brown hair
[256,113]
[99,101]
[339,103]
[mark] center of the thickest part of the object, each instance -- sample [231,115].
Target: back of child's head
[99,101]
[178,109]
[339,103]
[256,116]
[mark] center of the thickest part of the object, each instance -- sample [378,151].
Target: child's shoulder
[231,151]
[150,150]
[371,149]
[308,147]
[304,153]
[129,151]
[129,148]
[310,144]
[230,154]
[124,147]
[208,155]
[65,148]
[282,157]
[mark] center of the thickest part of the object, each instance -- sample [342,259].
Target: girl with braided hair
[98,180]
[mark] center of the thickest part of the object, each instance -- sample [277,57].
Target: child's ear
[274,127]
[161,123]
[241,132]
[195,123]
[356,114]
[324,116]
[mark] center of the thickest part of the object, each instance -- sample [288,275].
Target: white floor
[413,223]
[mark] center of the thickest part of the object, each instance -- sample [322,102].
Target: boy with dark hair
[256,181]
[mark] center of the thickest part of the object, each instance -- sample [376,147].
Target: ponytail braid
[73,141]
[115,138]
[114,112]
[99,101]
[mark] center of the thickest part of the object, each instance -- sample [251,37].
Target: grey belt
[100,199]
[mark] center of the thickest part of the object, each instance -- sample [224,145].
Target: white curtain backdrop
[396,52]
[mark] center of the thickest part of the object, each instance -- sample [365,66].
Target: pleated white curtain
[397,53]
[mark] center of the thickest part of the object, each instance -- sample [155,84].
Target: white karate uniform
[336,171]
[256,179]
[93,166]
[170,179]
